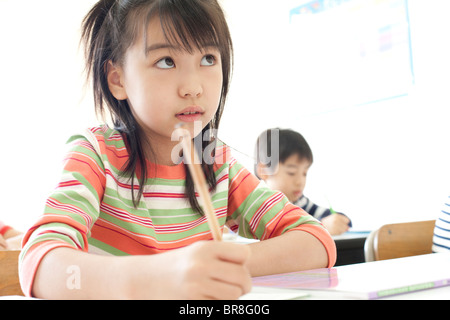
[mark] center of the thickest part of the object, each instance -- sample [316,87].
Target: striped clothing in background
[91,208]
[316,211]
[441,238]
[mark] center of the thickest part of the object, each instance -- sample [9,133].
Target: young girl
[124,222]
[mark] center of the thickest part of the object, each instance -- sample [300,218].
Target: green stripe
[161,216]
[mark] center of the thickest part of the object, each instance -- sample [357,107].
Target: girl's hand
[204,270]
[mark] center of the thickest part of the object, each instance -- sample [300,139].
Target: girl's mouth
[189,117]
[190,114]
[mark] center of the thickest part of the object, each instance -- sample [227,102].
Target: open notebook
[370,280]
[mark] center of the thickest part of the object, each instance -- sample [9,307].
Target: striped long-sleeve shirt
[316,211]
[91,209]
[441,238]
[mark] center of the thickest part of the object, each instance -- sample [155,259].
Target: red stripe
[52,203]
[279,220]
[164,195]
[126,216]
[263,209]
[63,234]
[69,183]
[231,193]
[120,184]
[225,177]
[84,162]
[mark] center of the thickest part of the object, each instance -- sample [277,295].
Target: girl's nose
[191,87]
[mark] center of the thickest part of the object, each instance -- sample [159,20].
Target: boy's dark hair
[112,26]
[289,143]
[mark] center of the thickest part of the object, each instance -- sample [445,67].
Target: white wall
[378,163]
[43,100]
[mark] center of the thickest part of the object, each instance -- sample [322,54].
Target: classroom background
[365,81]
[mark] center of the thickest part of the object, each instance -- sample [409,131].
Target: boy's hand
[336,224]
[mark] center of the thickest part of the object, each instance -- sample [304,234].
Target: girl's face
[166,85]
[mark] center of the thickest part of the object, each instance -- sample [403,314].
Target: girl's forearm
[66,273]
[204,270]
[293,251]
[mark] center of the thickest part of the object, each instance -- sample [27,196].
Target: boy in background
[285,169]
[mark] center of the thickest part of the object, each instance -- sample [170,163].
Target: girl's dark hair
[112,26]
[289,143]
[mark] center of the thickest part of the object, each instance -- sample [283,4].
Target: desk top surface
[424,277]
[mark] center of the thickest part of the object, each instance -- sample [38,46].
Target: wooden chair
[9,273]
[399,240]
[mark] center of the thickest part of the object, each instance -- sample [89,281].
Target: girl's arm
[292,251]
[211,270]
[291,239]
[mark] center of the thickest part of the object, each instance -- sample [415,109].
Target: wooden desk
[9,273]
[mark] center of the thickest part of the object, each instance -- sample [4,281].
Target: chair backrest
[369,253]
[9,273]
[400,240]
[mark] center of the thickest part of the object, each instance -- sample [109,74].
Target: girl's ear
[115,83]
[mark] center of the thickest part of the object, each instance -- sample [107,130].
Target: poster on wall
[351,52]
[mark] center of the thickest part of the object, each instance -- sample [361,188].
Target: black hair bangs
[191,25]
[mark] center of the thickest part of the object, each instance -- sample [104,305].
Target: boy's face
[290,178]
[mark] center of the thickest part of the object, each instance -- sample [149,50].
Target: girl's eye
[208,60]
[165,63]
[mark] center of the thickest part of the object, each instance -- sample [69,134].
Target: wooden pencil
[191,157]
